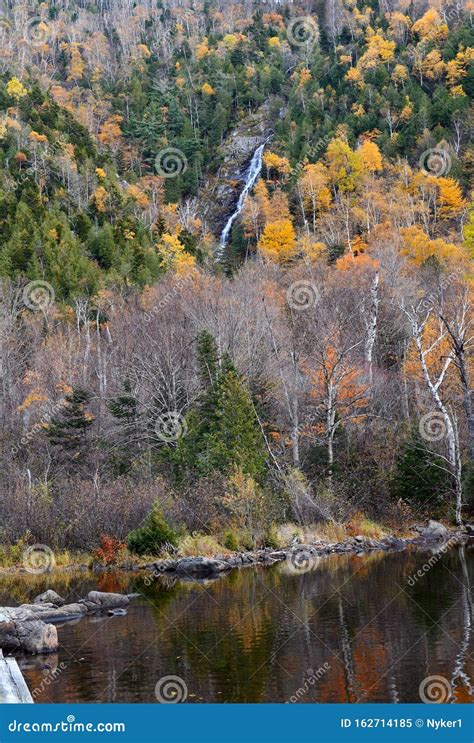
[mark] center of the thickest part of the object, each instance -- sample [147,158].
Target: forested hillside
[320,365]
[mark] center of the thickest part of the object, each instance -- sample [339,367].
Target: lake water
[350,629]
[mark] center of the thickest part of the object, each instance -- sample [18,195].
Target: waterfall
[250,178]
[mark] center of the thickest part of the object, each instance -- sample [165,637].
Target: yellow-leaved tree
[16,89]
[174,256]
[278,241]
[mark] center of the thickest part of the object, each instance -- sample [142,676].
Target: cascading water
[250,178]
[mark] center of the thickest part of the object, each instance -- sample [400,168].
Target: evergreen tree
[124,408]
[68,430]
[420,475]
[223,430]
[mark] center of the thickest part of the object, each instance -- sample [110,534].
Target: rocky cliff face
[220,194]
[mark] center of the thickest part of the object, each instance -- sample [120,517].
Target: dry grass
[361,525]
[17,556]
[200,545]
[331,531]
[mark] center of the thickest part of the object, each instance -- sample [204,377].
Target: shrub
[111,550]
[150,538]
[231,541]
[271,538]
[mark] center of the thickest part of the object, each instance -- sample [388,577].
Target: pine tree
[420,475]
[68,430]
[236,440]
[223,430]
[124,408]
[208,359]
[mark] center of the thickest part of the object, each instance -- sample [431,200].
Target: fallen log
[13,688]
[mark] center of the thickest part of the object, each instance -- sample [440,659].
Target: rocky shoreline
[192,568]
[434,534]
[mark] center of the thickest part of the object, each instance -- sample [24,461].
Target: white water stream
[250,178]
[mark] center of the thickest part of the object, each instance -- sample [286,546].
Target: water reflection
[350,629]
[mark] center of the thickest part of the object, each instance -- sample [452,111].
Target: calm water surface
[350,629]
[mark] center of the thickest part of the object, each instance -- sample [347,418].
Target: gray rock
[29,636]
[37,637]
[98,601]
[433,531]
[50,597]
[221,192]
[202,567]
[30,627]
[44,612]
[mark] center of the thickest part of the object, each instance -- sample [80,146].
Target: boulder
[99,601]
[37,637]
[29,636]
[47,612]
[201,567]
[50,597]
[434,531]
[8,637]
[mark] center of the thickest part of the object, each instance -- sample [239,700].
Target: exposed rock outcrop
[27,635]
[30,627]
[50,597]
[218,199]
[193,567]
[433,531]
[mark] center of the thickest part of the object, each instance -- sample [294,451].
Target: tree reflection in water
[258,634]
